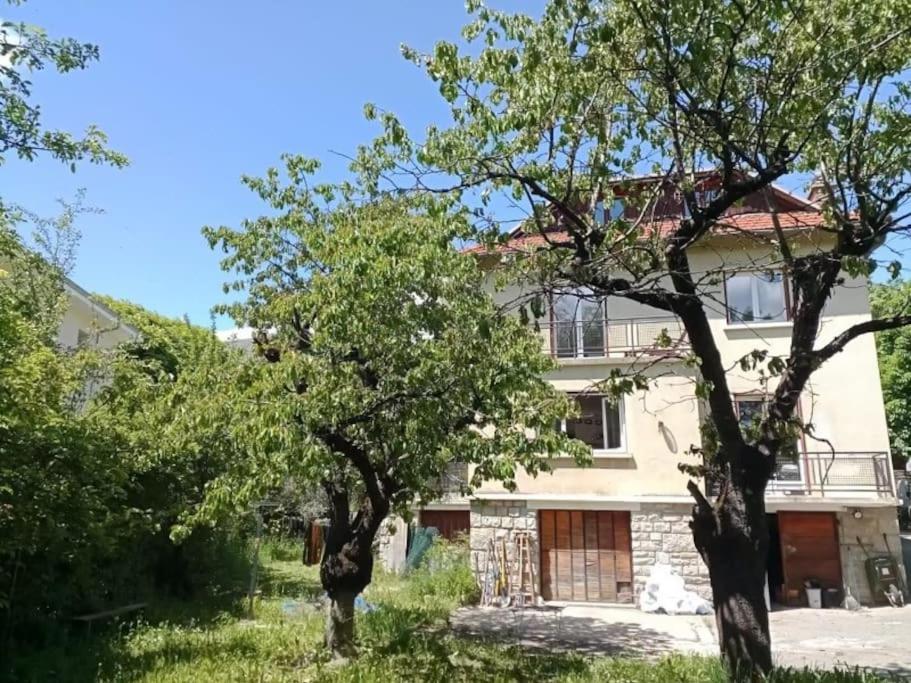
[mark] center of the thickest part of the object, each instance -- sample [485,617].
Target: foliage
[451,560]
[93,476]
[57,239]
[57,473]
[405,639]
[25,49]
[382,336]
[557,118]
[894,351]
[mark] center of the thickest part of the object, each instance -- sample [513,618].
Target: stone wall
[661,534]
[498,520]
[870,527]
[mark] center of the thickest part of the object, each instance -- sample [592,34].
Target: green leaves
[378,332]
[26,49]
[894,351]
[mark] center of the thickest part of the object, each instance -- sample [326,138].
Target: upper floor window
[603,215]
[578,325]
[600,423]
[756,296]
[704,196]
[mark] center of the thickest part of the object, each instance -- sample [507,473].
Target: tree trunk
[340,625]
[733,539]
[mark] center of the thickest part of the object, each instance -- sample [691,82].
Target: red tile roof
[755,222]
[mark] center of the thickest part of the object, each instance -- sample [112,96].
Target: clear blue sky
[198,92]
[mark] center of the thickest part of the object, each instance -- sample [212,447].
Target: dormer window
[704,196]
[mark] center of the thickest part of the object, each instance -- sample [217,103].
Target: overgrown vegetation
[97,467]
[380,361]
[893,348]
[404,638]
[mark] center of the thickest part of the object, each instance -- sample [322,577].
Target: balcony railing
[615,337]
[828,474]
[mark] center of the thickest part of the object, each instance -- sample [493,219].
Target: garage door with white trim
[585,555]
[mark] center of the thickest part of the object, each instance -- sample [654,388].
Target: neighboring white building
[238,337]
[88,322]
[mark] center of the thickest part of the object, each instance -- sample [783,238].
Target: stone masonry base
[661,535]
[874,522]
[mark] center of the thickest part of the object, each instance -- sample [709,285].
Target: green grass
[405,639]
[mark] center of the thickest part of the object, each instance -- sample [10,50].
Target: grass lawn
[404,639]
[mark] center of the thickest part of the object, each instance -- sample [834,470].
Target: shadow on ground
[548,630]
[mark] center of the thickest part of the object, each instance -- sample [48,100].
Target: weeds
[406,638]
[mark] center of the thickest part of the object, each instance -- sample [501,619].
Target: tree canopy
[25,49]
[894,351]
[382,362]
[561,115]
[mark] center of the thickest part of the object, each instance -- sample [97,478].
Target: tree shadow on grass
[403,639]
[285,579]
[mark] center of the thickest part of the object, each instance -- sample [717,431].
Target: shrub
[445,573]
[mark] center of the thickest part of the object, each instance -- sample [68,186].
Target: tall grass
[404,638]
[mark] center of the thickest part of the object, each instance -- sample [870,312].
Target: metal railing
[609,337]
[828,474]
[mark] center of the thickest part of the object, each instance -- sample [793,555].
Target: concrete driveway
[875,638]
[595,630]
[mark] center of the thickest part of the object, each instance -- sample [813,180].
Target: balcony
[615,337]
[824,474]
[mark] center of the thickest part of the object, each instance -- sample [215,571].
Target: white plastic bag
[665,592]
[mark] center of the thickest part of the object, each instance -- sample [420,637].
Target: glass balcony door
[579,326]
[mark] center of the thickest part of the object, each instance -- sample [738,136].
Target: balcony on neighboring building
[830,475]
[615,338]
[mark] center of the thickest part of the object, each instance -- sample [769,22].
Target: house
[599,529]
[86,321]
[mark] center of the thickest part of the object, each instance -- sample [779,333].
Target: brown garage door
[449,523]
[585,555]
[809,549]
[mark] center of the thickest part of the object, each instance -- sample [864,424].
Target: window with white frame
[578,325]
[756,296]
[600,423]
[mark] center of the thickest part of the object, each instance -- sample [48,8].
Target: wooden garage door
[449,523]
[585,555]
[809,549]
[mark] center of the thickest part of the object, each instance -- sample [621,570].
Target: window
[617,210]
[705,196]
[750,411]
[758,296]
[599,423]
[578,325]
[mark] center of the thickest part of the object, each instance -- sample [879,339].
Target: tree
[382,362]
[894,351]
[558,114]
[25,49]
